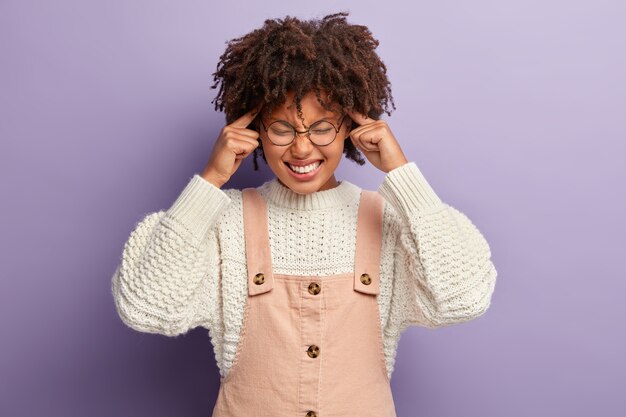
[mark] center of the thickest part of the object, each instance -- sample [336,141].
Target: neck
[278,194]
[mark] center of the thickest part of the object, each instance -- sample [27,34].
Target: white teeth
[305,169]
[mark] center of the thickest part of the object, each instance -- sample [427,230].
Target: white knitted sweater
[186,267]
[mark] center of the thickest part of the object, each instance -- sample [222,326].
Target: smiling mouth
[305,169]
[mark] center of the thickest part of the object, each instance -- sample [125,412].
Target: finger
[244,141]
[363,129]
[368,139]
[242,133]
[247,118]
[357,143]
[243,148]
[359,118]
[371,138]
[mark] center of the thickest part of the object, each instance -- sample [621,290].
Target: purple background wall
[513,110]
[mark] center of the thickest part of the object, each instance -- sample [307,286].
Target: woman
[304,283]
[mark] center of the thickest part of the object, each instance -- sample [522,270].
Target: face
[302,150]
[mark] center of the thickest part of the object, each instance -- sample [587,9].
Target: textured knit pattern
[186,267]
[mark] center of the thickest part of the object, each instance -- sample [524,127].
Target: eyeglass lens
[282,133]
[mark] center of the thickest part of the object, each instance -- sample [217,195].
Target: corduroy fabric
[272,373]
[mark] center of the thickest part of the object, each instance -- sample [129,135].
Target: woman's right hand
[234,143]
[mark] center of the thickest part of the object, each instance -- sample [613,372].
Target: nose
[301,145]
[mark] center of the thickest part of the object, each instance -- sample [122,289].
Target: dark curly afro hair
[291,55]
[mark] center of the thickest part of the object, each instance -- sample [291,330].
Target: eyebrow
[323,118]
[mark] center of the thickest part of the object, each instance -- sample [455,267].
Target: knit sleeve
[167,280]
[443,273]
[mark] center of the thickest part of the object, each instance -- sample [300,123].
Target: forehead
[311,108]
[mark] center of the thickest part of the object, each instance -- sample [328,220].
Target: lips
[293,168]
[303,163]
[307,175]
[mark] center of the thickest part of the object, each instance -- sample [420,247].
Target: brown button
[259,278]
[365,279]
[313,351]
[311,414]
[314,288]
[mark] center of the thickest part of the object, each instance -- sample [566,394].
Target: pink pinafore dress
[310,346]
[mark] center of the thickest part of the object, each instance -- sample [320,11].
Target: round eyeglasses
[321,133]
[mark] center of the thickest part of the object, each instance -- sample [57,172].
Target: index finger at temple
[247,118]
[359,118]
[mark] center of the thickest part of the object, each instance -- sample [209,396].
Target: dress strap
[368,242]
[367,251]
[256,235]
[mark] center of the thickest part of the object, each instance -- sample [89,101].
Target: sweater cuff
[407,190]
[198,206]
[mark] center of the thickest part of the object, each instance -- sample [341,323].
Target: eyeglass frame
[308,135]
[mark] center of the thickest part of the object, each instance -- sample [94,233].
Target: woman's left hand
[375,139]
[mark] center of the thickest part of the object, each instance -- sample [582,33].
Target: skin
[372,137]
[302,147]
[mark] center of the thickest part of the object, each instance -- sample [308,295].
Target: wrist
[213,179]
[397,164]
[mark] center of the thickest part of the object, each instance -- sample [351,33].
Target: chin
[302,187]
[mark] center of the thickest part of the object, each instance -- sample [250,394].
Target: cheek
[337,148]
[270,151]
